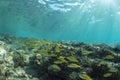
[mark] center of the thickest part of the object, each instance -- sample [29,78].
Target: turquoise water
[70,20]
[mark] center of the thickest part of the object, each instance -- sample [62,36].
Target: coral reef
[33,59]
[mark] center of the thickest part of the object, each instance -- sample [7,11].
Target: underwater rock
[117,48]
[33,59]
[3,51]
[103,46]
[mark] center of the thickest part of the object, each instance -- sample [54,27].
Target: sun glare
[107,2]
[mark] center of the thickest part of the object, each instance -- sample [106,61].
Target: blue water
[70,20]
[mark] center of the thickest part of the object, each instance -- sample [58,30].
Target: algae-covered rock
[18,59]
[3,44]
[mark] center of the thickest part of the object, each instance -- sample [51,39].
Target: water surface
[72,20]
